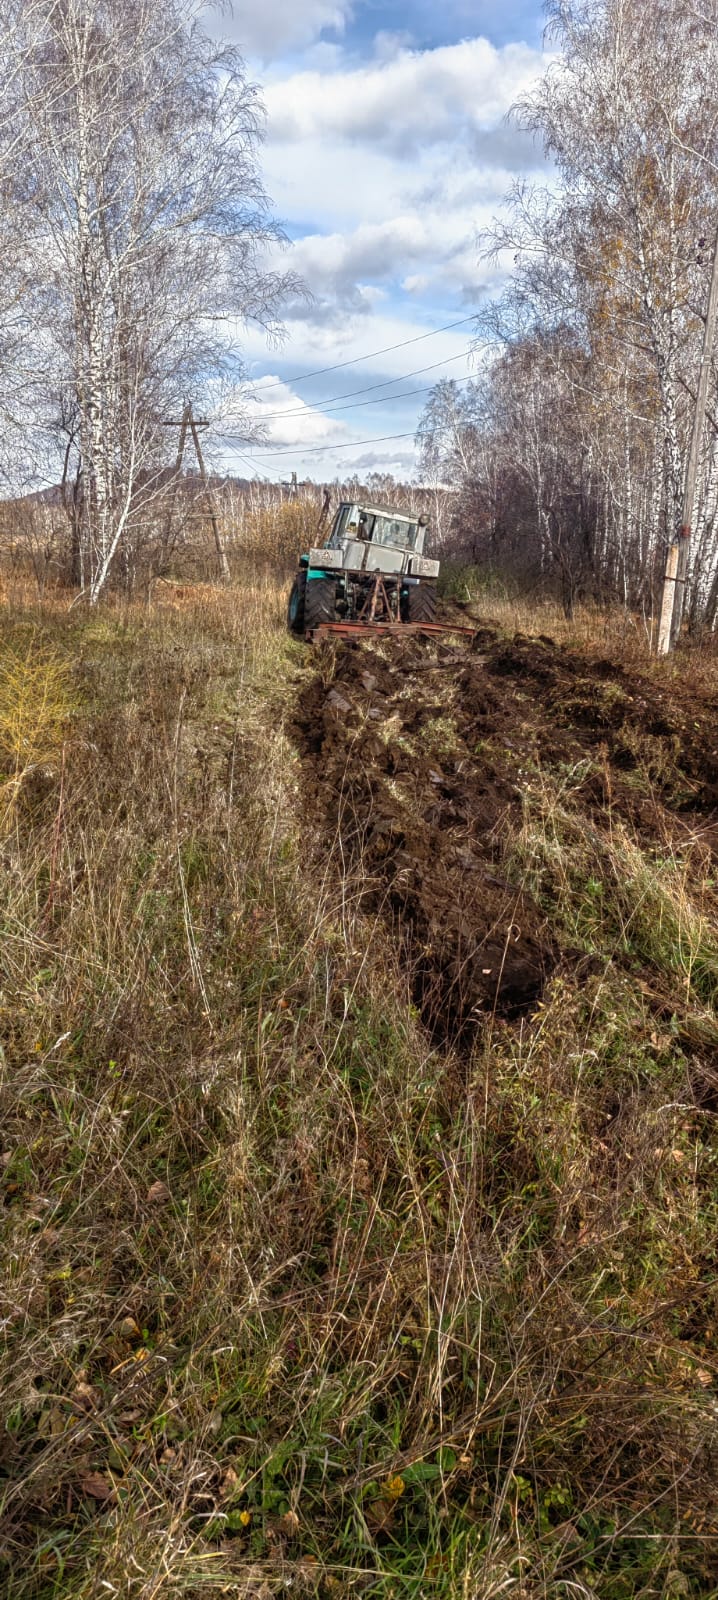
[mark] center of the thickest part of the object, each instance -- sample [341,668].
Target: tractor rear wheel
[420,605]
[295,609]
[320,602]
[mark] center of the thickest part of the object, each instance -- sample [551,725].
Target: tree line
[134,228]
[568,451]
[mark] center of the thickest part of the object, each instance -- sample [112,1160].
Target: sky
[387,151]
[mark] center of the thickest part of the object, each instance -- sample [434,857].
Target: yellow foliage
[275,536]
[35,702]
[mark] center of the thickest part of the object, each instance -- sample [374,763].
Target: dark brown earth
[414,759]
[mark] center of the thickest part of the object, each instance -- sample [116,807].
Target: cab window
[395,531]
[339,530]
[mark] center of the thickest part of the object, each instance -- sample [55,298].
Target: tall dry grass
[292,1301]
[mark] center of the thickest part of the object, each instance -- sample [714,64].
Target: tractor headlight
[421,567]
[326,558]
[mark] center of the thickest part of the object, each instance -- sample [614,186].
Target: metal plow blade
[363,630]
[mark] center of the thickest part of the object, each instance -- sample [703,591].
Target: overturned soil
[415,757]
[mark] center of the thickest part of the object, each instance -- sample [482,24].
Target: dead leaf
[289,1524]
[229,1482]
[380,1515]
[567,1533]
[84,1397]
[362,1178]
[704,1378]
[158,1194]
[97,1487]
[337,700]
[129,1328]
[51,1424]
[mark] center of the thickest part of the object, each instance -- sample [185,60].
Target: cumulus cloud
[407,102]
[385,168]
[373,250]
[269,28]
[403,461]
[432,248]
[286,420]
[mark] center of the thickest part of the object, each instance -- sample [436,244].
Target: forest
[570,447]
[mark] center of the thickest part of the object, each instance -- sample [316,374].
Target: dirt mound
[414,759]
[417,818]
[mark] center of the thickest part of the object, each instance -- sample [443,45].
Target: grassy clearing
[292,1302]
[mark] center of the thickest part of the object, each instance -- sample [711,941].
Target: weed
[297,1300]
[35,705]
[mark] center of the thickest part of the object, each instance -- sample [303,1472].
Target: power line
[407,394]
[317,449]
[249,462]
[320,371]
[323,405]
[383,400]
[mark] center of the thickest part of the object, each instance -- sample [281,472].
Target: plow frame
[364,630]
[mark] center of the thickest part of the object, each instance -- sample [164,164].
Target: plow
[371,577]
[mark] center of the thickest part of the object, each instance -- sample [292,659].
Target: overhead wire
[354,362]
[323,405]
[250,463]
[316,449]
[333,404]
[407,394]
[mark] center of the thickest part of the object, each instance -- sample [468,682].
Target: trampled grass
[294,1301]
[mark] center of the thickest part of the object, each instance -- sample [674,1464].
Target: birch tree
[615,250]
[21,22]
[154,226]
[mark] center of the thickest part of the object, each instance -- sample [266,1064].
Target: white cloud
[414,99]
[316,344]
[286,419]
[370,251]
[385,171]
[337,159]
[430,248]
[268,28]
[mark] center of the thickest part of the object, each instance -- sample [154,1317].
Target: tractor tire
[320,602]
[420,604]
[295,609]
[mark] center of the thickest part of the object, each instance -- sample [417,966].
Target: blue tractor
[372,572]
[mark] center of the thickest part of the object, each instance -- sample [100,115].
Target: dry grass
[35,706]
[292,1302]
[617,632]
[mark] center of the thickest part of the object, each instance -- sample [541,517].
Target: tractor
[371,573]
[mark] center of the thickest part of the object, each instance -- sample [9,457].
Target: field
[358,1097]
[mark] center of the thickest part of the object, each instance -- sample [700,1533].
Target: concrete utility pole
[677,562]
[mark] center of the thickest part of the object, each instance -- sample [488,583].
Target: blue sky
[387,150]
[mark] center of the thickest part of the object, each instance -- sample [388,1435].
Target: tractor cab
[391,529]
